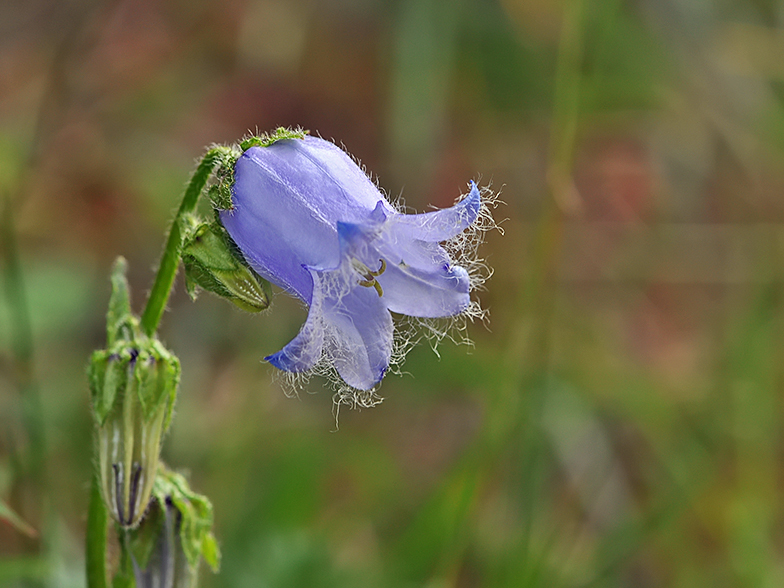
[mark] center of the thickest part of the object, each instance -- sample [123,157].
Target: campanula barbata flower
[308,218]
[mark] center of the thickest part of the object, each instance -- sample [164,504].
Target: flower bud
[133,385]
[158,558]
[213,264]
[175,534]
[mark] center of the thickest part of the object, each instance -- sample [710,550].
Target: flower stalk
[167,270]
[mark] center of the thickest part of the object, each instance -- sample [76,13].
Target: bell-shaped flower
[307,218]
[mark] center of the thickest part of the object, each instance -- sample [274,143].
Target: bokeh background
[618,421]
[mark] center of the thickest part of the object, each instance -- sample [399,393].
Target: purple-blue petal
[359,339]
[444,224]
[354,329]
[287,200]
[356,242]
[422,255]
[438,293]
[274,224]
[302,352]
[347,192]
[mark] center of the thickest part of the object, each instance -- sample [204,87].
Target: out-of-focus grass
[617,422]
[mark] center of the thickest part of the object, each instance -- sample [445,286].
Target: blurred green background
[618,421]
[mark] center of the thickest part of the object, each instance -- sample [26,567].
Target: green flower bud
[214,264]
[156,550]
[133,385]
[175,534]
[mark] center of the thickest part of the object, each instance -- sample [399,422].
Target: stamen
[370,276]
[381,269]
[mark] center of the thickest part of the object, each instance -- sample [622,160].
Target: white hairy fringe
[409,331]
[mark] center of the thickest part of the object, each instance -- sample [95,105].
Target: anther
[381,269]
[370,277]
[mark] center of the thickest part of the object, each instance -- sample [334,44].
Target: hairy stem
[167,270]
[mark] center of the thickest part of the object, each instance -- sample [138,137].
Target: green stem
[97,522]
[167,270]
[125,577]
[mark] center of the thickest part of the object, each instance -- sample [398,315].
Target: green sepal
[212,262]
[197,520]
[194,537]
[107,375]
[267,139]
[157,372]
[134,387]
[220,192]
[174,536]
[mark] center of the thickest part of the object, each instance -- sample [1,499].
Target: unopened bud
[133,384]
[174,536]
[213,264]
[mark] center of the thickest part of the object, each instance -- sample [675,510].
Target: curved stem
[167,270]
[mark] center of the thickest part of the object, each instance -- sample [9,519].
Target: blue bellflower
[308,219]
